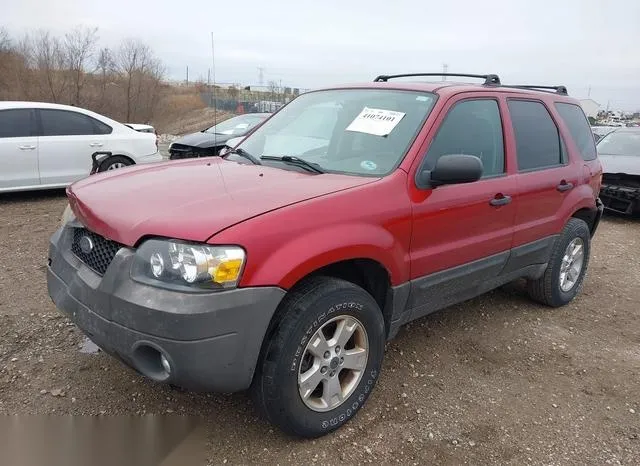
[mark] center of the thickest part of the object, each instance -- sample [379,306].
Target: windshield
[352,131]
[620,143]
[237,125]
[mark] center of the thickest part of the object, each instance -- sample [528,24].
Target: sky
[590,46]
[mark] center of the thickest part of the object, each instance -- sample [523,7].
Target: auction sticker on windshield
[375,121]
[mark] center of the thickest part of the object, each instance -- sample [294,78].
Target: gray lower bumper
[211,340]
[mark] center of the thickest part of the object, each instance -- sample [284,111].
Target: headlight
[67,215]
[177,264]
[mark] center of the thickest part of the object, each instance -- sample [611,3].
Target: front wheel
[323,358]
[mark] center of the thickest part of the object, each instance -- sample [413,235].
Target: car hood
[628,164]
[192,199]
[203,140]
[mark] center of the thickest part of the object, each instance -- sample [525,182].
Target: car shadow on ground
[32,196]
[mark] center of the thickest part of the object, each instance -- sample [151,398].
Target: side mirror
[451,169]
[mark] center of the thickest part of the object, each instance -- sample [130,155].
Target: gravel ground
[497,380]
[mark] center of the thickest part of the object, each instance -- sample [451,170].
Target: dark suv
[285,265]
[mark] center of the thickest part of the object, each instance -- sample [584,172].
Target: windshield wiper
[243,153]
[293,160]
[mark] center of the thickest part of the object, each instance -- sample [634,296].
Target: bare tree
[6,59]
[5,40]
[132,61]
[105,69]
[79,47]
[50,61]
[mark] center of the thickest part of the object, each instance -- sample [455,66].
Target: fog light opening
[152,362]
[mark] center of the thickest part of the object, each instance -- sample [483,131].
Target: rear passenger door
[462,233]
[18,149]
[545,177]
[67,141]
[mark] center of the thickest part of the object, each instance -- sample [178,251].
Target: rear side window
[576,121]
[537,137]
[67,123]
[15,123]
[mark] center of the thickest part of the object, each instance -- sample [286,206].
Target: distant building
[590,107]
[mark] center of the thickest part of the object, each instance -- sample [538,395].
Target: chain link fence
[249,99]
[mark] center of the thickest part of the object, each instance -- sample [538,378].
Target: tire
[548,289]
[320,303]
[114,162]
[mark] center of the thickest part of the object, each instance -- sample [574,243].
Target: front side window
[579,128]
[537,138]
[472,127]
[67,123]
[15,123]
[351,131]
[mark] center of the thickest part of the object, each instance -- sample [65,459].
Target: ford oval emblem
[86,245]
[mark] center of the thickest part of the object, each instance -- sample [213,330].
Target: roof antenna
[213,76]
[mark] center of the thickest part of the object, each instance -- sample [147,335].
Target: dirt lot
[497,380]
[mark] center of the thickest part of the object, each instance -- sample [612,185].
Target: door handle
[26,147]
[499,200]
[96,144]
[564,186]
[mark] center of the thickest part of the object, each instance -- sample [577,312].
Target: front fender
[306,253]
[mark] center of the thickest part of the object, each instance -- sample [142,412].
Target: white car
[45,146]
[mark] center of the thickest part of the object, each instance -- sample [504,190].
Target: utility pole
[261,75]
[589,92]
[187,75]
[445,67]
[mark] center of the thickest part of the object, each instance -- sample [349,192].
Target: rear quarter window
[579,128]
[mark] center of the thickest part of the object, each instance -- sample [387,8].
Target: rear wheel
[115,162]
[564,276]
[323,358]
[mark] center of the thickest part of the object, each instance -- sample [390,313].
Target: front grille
[100,255]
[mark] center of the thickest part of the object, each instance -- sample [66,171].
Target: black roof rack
[557,89]
[489,79]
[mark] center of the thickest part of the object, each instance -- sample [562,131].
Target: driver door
[462,233]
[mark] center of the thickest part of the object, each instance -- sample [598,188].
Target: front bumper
[621,199]
[211,340]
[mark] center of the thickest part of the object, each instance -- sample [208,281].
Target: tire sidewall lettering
[350,410]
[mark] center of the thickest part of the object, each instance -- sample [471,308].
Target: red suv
[286,265]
